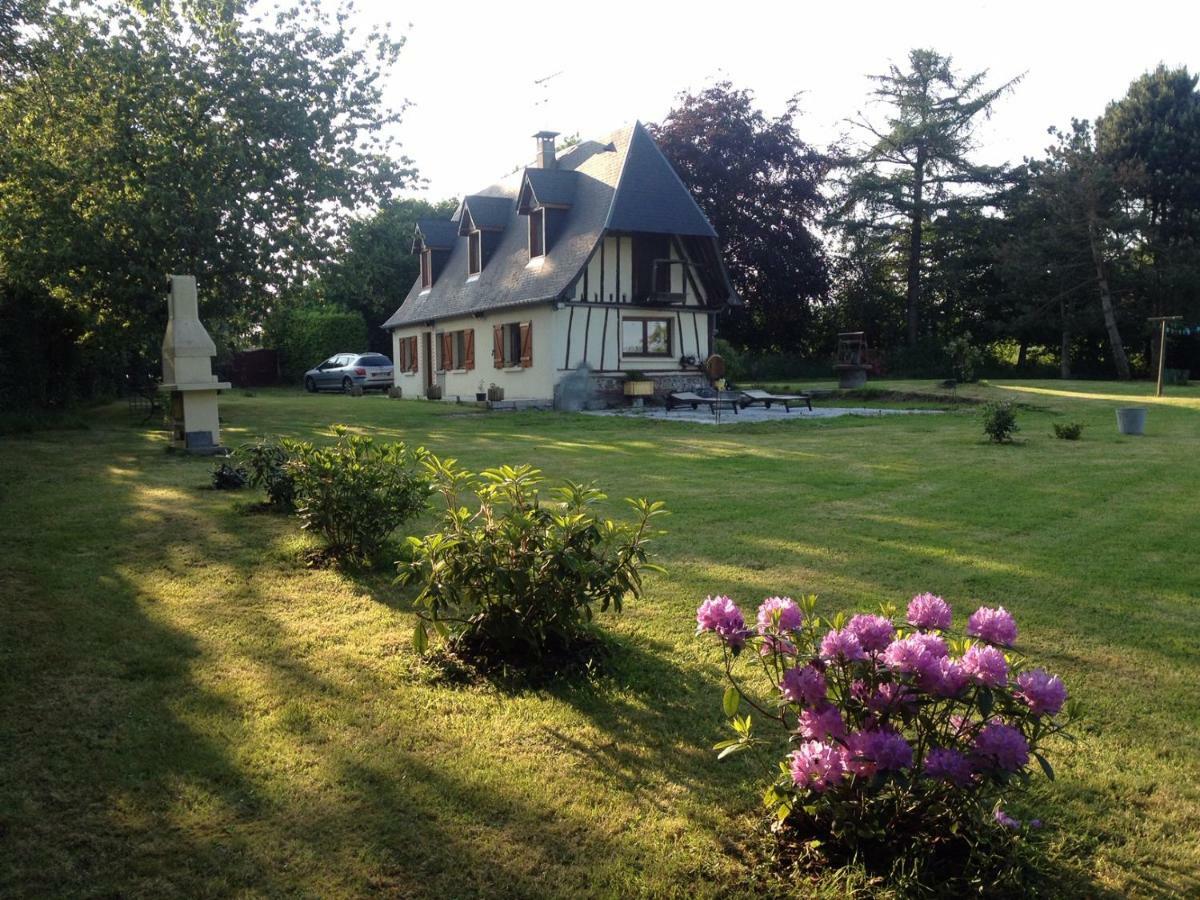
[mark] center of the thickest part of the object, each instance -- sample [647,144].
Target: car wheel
[310,385]
[347,385]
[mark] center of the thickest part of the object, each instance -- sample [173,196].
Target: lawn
[185,709]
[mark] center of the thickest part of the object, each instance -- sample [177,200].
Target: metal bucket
[1131,420]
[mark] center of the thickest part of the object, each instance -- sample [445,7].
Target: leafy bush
[1000,421]
[965,358]
[512,584]
[266,460]
[356,492]
[307,336]
[227,478]
[1070,431]
[907,739]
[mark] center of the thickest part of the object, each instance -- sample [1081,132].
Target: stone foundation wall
[609,390]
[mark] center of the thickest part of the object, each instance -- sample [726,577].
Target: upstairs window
[537,233]
[426,268]
[474,253]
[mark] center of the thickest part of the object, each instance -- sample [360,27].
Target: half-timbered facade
[600,257]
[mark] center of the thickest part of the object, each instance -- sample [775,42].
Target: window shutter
[447,352]
[526,345]
[469,350]
[412,355]
[498,346]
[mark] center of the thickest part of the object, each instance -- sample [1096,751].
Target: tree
[187,137]
[1150,140]
[915,166]
[373,268]
[759,184]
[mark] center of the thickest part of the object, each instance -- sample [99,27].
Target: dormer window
[474,253]
[537,233]
[426,268]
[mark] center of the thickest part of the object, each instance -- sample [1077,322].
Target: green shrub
[965,358]
[356,492]
[1070,431]
[266,464]
[306,337]
[1000,421]
[228,478]
[512,583]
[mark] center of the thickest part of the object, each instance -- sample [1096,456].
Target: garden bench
[766,398]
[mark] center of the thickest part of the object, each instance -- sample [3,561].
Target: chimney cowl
[545,158]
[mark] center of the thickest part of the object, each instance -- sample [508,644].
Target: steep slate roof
[624,184]
[439,234]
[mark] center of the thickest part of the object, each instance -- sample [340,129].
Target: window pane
[658,336]
[631,337]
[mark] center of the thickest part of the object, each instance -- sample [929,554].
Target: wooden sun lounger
[766,398]
[694,400]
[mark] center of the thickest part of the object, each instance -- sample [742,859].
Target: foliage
[356,492]
[184,137]
[759,184]
[1000,420]
[915,166]
[966,358]
[228,478]
[266,461]
[908,738]
[512,583]
[307,336]
[1068,431]
[373,267]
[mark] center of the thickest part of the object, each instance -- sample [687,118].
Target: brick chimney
[545,158]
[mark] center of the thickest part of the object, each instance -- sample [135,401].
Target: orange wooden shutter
[498,346]
[469,349]
[412,354]
[526,345]
[447,351]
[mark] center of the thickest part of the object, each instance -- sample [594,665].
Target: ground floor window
[457,349]
[646,337]
[406,356]
[512,345]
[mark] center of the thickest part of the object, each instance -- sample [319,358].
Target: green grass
[186,710]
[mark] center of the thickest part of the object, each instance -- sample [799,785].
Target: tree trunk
[1022,354]
[1064,352]
[914,251]
[1110,318]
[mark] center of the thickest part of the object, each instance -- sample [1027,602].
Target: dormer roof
[621,184]
[436,234]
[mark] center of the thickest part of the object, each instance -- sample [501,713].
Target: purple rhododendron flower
[1045,693]
[803,684]
[1001,746]
[842,644]
[949,678]
[722,616]
[874,632]
[929,611]
[817,766]
[911,655]
[790,616]
[891,751]
[996,626]
[889,697]
[1006,820]
[868,752]
[948,765]
[773,644]
[934,645]
[820,722]
[986,665]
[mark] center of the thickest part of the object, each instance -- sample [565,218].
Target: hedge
[309,336]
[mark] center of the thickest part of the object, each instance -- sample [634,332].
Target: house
[598,257]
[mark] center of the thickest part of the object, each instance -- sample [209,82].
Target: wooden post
[1162,347]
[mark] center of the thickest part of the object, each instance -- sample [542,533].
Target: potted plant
[433,392]
[481,394]
[638,385]
[495,392]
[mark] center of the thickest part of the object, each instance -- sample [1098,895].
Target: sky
[481,78]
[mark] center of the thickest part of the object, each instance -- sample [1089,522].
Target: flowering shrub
[904,735]
[266,459]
